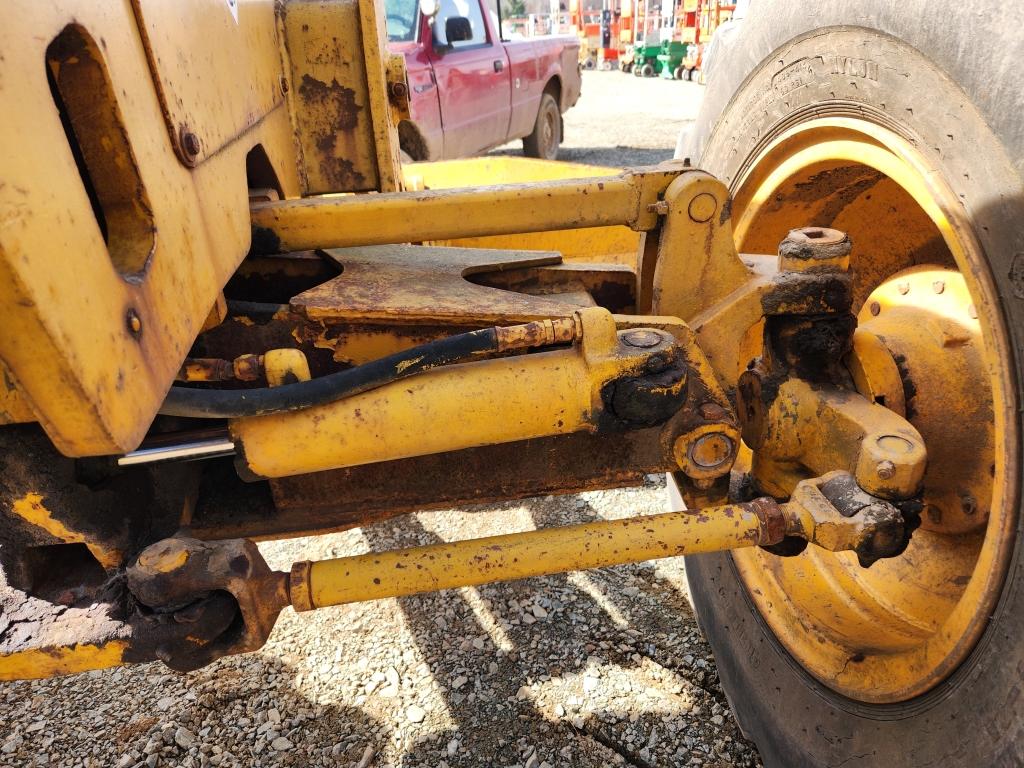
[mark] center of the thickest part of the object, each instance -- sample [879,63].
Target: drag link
[830,512]
[474,562]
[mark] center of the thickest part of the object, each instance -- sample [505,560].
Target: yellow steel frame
[93,339]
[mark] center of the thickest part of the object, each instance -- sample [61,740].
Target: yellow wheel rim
[894,631]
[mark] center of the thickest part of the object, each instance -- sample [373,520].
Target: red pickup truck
[469,90]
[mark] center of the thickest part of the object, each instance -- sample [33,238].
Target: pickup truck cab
[469,90]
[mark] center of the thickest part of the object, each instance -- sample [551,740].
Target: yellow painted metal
[36,664]
[93,383]
[615,244]
[337,222]
[492,401]
[285,366]
[875,373]
[338,95]
[496,169]
[697,223]
[522,555]
[231,77]
[32,510]
[893,631]
[13,408]
[813,429]
[922,316]
[95,337]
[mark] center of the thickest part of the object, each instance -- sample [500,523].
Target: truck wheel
[907,135]
[647,70]
[677,73]
[547,131]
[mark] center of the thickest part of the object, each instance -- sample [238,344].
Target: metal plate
[231,76]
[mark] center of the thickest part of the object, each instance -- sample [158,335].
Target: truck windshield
[401,19]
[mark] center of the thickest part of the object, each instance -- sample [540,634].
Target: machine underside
[239,355]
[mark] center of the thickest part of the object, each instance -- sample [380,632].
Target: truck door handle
[498,65]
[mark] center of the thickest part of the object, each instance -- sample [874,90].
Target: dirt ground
[588,669]
[622,120]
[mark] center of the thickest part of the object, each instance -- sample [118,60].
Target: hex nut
[886,470]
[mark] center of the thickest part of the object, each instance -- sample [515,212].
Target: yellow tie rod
[185,596]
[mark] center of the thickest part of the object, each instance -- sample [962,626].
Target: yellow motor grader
[230,314]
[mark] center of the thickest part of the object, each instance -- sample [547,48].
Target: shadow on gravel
[487,690]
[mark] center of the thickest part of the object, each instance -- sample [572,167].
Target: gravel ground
[588,669]
[622,120]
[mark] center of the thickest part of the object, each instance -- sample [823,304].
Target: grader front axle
[506,373]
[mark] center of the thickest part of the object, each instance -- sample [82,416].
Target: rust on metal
[410,283]
[335,109]
[539,333]
[351,497]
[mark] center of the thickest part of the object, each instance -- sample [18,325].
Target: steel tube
[533,553]
[190,451]
[400,217]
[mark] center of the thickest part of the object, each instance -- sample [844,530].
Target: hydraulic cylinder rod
[533,553]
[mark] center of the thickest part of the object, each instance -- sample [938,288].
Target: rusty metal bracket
[836,514]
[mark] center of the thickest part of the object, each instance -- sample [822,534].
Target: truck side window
[468,8]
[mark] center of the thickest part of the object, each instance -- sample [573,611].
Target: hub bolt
[886,470]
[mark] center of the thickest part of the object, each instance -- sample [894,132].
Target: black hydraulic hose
[240,403]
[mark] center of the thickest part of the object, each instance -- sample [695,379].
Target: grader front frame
[205,345]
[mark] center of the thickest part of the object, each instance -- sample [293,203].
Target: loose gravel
[621,120]
[587,669]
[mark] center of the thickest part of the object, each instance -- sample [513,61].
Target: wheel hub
[928,327]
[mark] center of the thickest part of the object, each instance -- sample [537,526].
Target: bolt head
[190,143]
[644,339]
[133,323]
[885,470]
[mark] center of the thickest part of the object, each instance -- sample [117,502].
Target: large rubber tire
[546,137]
[942,73]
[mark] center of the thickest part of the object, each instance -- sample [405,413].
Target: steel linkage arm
[829,512]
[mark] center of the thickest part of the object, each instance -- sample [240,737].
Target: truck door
[473,81]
